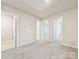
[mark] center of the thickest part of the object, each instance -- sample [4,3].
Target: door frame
[15,24]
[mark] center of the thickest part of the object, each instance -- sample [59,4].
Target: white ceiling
[37,4]
[41,8]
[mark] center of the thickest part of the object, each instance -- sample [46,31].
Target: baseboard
[69,45]
[30,42]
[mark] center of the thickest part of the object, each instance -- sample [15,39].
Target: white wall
[26,25]
[26,29]
[70,27]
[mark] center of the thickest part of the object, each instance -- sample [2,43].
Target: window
[58,28]
[44,29]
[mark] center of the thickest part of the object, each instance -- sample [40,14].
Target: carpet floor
[45,50]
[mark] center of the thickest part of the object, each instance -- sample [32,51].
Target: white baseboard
[69,45]
[26,43]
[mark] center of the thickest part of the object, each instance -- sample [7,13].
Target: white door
[7,32]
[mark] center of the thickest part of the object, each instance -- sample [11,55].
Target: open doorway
[7,32]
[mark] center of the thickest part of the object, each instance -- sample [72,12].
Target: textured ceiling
[41,8]
[37,4]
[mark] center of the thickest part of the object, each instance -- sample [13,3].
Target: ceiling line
[39,17]
[58,13]
[21,10]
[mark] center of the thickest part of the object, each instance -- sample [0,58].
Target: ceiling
[42,8]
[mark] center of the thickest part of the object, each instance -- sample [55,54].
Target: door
[7,32]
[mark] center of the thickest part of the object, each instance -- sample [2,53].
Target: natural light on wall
[38,29]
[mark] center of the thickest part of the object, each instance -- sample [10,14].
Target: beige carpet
[45,50]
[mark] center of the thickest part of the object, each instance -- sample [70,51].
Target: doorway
[7,32]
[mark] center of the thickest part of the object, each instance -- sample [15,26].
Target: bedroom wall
[70,27]
[26,25]
[26,29]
